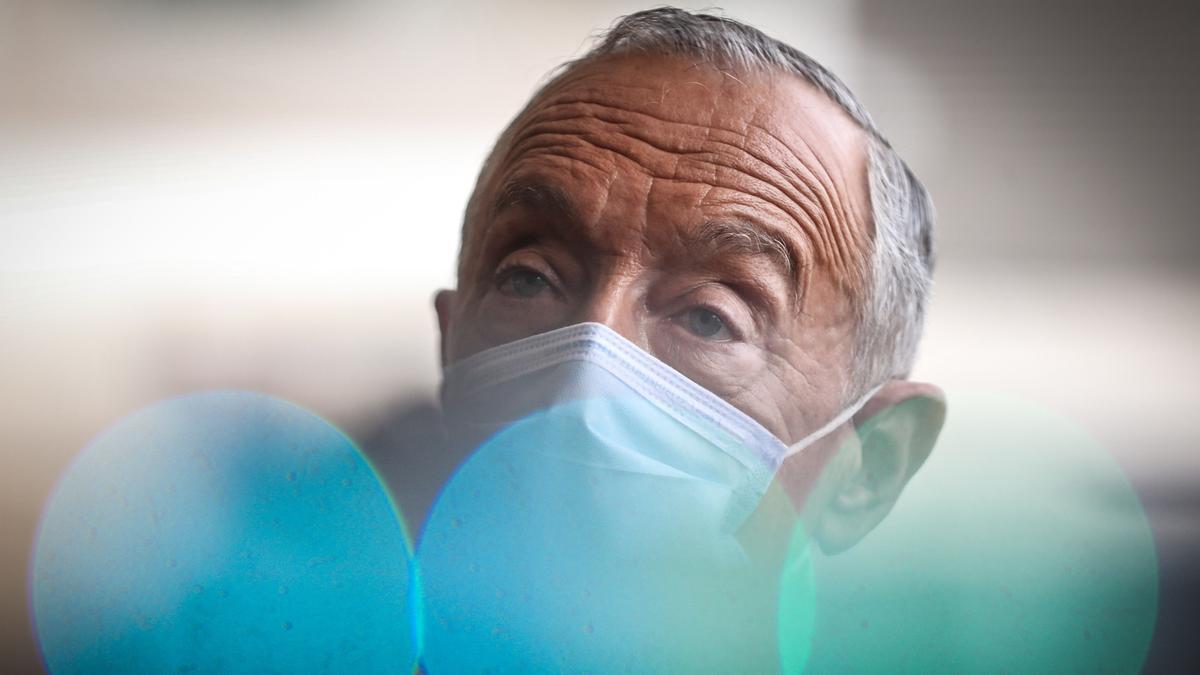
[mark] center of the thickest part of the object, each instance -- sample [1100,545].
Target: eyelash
[505,272]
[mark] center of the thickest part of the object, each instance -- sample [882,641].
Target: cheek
[462,336]
[740,373]
[773,398]
[726,370]
[503,319]
[807,377]
[490,319]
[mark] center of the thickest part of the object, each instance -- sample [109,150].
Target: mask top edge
[656,380]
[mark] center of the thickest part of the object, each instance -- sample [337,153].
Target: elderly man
[693,275]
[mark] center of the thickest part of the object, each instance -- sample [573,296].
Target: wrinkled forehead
[773,135]
[687,96]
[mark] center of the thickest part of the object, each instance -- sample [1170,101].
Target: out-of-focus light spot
[564,544]
[797,604]
[1020,547]
[222,531]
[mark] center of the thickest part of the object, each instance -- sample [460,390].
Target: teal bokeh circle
[564,545]
[222,532]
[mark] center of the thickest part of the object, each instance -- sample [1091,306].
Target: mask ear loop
[741,509]
[832,424]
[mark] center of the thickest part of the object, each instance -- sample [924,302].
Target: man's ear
[442,302]
[896,430]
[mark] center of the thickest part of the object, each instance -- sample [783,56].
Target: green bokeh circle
[1019,547]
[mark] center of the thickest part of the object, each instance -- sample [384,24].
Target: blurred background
[265,195]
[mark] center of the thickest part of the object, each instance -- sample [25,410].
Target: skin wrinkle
[632,131]
[588,109]
[830,203]
[816,188]
[840,245]
[728,235]
[834,199]
[777,198]
[812,196]
[827,203]
[649,163]
[554,144]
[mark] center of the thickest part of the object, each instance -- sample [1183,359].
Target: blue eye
[523,283]
[707,324]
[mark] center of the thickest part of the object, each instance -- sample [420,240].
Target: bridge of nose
[618,301]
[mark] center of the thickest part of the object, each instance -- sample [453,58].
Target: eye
[707,324]
[522,282]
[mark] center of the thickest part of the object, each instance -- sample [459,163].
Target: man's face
[719,220]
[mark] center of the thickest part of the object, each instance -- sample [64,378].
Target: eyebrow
[743,237]
[723,236]
[535,195]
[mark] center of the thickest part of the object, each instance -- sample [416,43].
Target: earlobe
[442,303]
[896,431]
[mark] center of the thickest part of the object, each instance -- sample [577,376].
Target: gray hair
[898,275]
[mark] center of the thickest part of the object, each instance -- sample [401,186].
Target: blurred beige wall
[265,195]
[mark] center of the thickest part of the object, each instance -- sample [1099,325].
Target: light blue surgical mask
[595,525]
[638,413]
